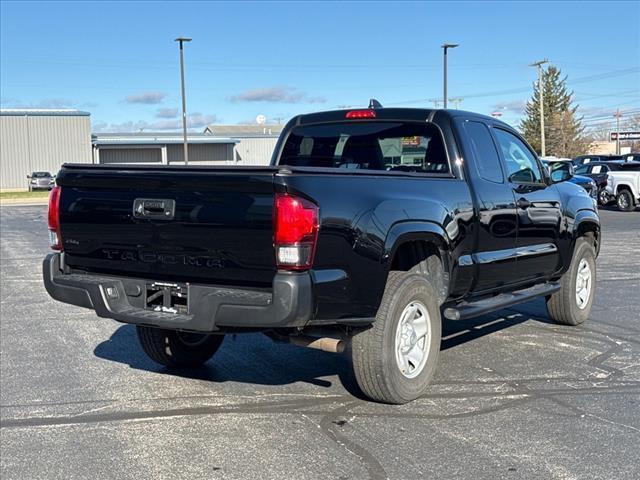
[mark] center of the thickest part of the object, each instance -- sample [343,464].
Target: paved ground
[514,396]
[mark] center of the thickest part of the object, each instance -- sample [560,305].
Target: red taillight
[361,114]
[295,231]
[55,241]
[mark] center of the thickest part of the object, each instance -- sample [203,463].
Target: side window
[486,156]
[520,162]
[596,169]
[583,169]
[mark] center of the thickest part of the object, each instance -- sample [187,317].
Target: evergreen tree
[563,129]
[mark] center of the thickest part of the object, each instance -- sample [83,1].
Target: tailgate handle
[156,208]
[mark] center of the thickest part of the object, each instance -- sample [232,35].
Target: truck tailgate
[206,225]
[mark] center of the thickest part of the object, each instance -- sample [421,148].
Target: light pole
[541,99]
[181,40]
[445,47]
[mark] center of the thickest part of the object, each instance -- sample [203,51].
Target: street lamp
[445,47]
[181,40]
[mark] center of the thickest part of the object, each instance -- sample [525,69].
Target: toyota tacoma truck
[368,228]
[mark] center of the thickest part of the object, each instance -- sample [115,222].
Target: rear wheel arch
[421,252]
[622,187]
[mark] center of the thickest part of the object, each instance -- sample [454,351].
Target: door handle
[523,203]
[153,208]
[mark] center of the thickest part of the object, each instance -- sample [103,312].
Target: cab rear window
[381,146]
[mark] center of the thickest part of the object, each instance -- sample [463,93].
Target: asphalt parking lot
[514,396]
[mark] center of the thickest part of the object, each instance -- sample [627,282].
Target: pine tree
[563,129]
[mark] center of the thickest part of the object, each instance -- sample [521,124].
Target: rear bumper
[210,308]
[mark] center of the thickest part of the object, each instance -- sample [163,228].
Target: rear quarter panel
[361,218]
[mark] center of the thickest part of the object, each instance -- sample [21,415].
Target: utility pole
[181,40]
[617,115]
[456,102]
[445,47]
[436,102]
[541,99]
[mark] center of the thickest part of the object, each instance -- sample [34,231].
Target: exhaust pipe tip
[326,344]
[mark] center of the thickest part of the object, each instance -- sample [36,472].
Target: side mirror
[561,172]
[526,175]
[28,176]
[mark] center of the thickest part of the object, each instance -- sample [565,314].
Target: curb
[20,202]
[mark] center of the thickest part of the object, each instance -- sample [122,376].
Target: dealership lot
[514,396]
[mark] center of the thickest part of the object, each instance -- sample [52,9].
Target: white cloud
[167,113]
[511,106]
[146,98]
[276,94]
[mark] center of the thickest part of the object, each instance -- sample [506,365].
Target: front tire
[603,198]
[625,201]
[396,358]
[571,305]
[178,349]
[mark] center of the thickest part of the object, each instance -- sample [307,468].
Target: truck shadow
[247,358]
[255,359]
[464,331]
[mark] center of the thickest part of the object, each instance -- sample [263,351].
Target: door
[494,256]
[538,208]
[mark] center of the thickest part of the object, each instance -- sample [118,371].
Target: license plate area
[166,297]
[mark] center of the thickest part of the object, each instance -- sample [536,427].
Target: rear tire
[625,201]
[396,358]
[178,349]
[572,304]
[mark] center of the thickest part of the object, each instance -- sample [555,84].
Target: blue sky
[118,59]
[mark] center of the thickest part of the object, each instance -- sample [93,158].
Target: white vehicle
[625,185]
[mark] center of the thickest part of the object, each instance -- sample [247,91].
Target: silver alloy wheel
[413,340]
[604,197]
[623,201]
[583,284]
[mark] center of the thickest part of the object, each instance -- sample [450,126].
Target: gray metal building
[40,140]
[161,149]
[256,142]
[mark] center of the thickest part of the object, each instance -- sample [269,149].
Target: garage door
[130,155]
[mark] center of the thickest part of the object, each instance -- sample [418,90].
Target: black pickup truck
[364,231]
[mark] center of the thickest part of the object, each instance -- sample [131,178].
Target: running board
[504,300]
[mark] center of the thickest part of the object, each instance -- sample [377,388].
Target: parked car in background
[582,159]
[562,170]
[625,185]
[40,181]
[599,173]
[631,157]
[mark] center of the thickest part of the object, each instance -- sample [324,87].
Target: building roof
[244,130]
[42,112]
[150,138]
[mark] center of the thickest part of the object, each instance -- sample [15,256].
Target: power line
[586,79]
